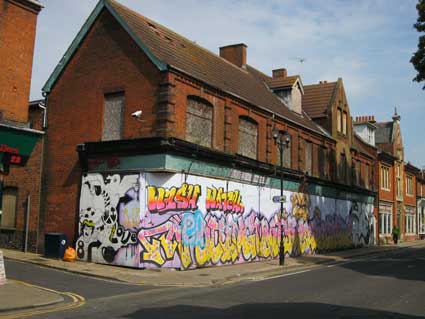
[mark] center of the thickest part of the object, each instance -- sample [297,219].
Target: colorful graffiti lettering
[193,226]
[162,200]
[125,220]
[211,240]
[228,202]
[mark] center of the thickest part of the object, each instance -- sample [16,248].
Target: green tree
[418,58]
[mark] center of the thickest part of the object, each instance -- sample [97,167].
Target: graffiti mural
[181,221]
[101,233]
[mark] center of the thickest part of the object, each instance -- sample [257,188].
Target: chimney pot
[280,73]
[235,53]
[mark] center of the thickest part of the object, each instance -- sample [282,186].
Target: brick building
[202,151]
[397,201]
[19,128]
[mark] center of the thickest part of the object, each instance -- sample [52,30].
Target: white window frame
[385,219]
[385,178]
[410,219]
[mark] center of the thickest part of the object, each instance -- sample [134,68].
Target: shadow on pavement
[405,264]
[277,310]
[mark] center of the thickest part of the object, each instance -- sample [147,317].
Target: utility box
[55,245]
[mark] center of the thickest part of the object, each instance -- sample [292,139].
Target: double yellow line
[77,301]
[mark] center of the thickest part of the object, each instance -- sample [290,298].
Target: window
[343,168]
[422,220]
[248,137]
[344,123]
[385,177]
[409,185]
[199,117]
[308,157]
[367,176]
[113,116]
[385,219]
[338,120]
[323,162]
[410,220]
[286,153]
[357,168]
[8,207]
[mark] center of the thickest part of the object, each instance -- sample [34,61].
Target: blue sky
[367,43]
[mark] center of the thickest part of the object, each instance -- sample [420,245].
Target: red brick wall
[225,130]
[107,61]
[17,34]
[27,180]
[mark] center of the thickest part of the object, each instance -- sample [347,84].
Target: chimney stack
[368,118]
[235,54]
[280,73]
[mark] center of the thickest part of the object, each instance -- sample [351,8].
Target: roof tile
[188,57]
[317,98]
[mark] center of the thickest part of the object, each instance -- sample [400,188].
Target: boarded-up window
[323,162]
[366,177]
[113,116]
[287,147]
[199,116]
[343,168]
[8,207]
[248,137]
[357,172]
[308,157]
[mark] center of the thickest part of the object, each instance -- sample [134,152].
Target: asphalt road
[390,285]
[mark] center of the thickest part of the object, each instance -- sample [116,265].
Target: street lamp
[281,139]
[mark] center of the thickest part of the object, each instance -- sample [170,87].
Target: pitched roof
[363,146]
[318,97]
[384,132]
[281,83]
[169,50]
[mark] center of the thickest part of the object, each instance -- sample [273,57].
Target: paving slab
[16,295]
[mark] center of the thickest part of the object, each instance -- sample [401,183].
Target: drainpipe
[27,223]
[42,196]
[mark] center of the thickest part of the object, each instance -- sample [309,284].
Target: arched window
[199,118]
[8,207]
[248,137]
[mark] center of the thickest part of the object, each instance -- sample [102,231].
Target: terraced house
[398,202]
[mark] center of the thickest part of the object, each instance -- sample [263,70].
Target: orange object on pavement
[70,254]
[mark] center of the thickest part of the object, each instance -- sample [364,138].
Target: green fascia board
[75,44]
[179,164]
[24,140]
[153,162]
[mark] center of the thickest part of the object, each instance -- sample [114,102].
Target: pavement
[19,295]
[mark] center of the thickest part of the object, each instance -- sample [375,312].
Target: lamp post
[281,139]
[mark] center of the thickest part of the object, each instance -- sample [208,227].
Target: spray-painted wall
[185,221]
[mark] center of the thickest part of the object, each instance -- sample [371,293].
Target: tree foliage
[418,58]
